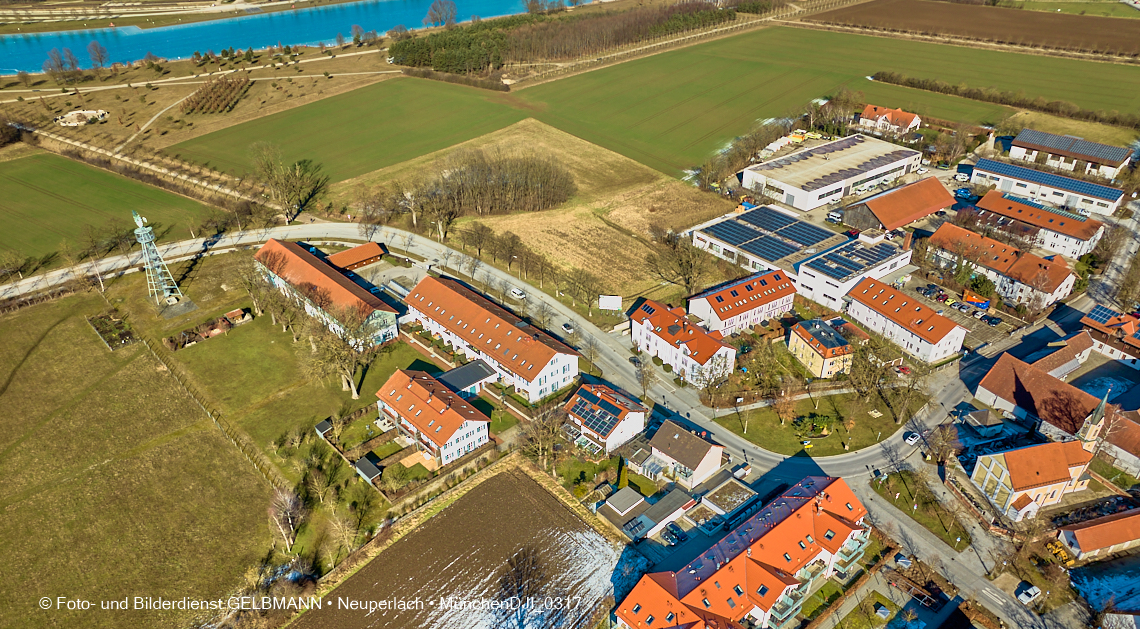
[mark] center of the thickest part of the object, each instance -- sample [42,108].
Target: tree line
[1012,99]
[488,45]
[470,183]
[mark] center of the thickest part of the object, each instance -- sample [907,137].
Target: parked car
[922,171]
[1027,592]
[941,298]
[374,290]
[993,321]
[567,328]
[963,193]
[932,286]
[517,294]
[854,233]
[635,361]
[940,213]
[904,370]
[912,438]
[681,535]
[961,177]
[981,314]
[951,301]
[668,537]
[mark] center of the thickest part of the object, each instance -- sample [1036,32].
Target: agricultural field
[1106,8]
[669,111]
[360,131]
[116,484]
[46,199]
[1031,28]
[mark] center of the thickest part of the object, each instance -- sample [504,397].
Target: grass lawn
[644,485]
[864,616]
[386,450]
[1106,8]
[363,130]
[46,199]
[764,427]
[1121,479]
[574,470]
[822,597]
[671,110]
[115,483]
[930,513]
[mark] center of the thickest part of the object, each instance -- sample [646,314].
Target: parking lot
[978,332]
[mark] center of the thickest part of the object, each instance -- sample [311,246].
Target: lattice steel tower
[159,282]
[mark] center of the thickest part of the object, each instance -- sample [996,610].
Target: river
[310,26]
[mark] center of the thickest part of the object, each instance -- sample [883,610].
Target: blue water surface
[299,27]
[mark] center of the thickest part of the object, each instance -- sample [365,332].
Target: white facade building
[693,354]
[1069,153]
[903,320]
[605,416]
[525,357]
[443,425]
[1079,196]
[829,276]
[1068,234]
[744,303]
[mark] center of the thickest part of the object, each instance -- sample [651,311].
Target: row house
[1069,152]
[1020,277]
[905,321]
[762,571]
[1066,233]
[695,355]
[441,423]
[739,305]
[604,416]
[525,357]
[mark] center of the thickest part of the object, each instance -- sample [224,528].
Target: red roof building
[1020,482]
[892,120]
[443,425]
[356,257]
[605,416]
[904,320]
[667,333]
[763,568]
[744,303]
[323,289]
[906,204]
[1102,536]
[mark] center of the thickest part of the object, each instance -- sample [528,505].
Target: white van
[517,294]
[835,215]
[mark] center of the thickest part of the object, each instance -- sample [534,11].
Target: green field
[1107,8]
[362,130]
[670,110]
[45,199]
[115,482]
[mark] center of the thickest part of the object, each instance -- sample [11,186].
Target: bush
[657,361]
[497,86]
[668,368]
[679,382]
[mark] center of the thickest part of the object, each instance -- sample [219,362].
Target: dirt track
[1011,26]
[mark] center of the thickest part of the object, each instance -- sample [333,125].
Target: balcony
[808,573]
[782,623]
[850,552]
[788,604]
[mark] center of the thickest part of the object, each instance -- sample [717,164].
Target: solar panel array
[1048,179]
[852,259]
[1101,315]
[1102,153]
[865,167]
[776,236]
[599,420]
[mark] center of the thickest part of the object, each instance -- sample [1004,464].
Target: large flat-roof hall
[814,176]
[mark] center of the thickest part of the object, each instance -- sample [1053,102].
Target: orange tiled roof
[910,203]
[1007,260]
[1053,401]
[895,117]
[1044,464]
[315,278]
[1123,327]
[353,257]
[754,563]
[676,329]
[511,342]
[1072,225]
[1110,530]
[431,407]
[1074,345]
[623,403]
[747,294]
[903,310]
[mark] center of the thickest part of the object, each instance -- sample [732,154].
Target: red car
[854,233]
[941,298]
[904,370]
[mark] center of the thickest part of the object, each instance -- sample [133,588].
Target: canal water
[465,555]
[300,27]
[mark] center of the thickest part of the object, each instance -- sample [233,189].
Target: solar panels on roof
[805,233]
[1048,179]
[732,232]
[1101,315]
[767,219]
[1100,153]
[851,259]
[768,248]
[599,420]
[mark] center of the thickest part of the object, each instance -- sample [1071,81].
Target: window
[803,546]
[810,540]
[739,591]
[636,608]
[762,590]
[787,557]
[649,621]
[670,617]
[731,604]
[830,534]
[706,603]
[849,507]
[717,584]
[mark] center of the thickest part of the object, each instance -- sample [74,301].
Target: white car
[517,294]
[922,171]
[567,328]
[961,177]
[912,438]
[1028,594]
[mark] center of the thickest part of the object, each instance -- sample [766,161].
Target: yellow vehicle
[1059,551]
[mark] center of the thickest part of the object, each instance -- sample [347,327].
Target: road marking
[671,388]
[990,593]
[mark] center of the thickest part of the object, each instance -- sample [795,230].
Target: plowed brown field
[1011,26]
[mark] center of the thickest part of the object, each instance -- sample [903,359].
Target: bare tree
[441,13]
[12,262]
[478,236]
[784,403]
[286,513]
[539,435]
[291,186]
[344,531]
[318,485]
[541,313]
[98,54]
[646,378]
[342,348]
[678,262]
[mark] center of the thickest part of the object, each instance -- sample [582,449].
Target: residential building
[1066,233]
[739,305]
[1020,277]
[764,239]
[325,293]
[886,120]
[814,176]
[820,348]
[1069,153]
[681,455]
[692,353]
[762,571]
[356,257]
[900,206]
[1114,334]
[829,276]
[905,321]
[985,422]
[527,358]
[604,416]
[1020,482]
[638,519]
[441,423]
[1079,196]
[1103,536]
[470,379]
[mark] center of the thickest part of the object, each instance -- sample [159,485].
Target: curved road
[966,567]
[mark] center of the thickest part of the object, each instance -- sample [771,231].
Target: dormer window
[803,546]
[787,557]
[636,609]
[762,590]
